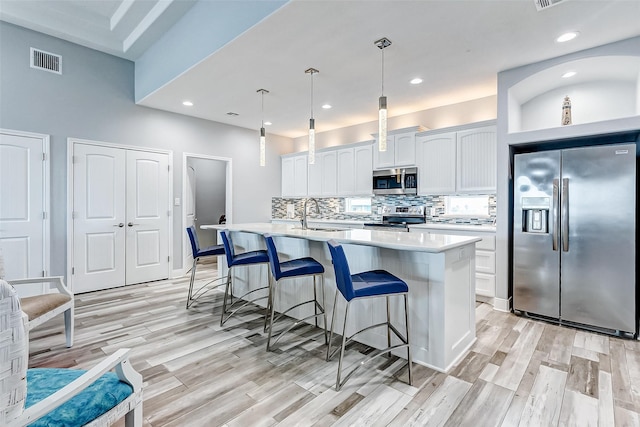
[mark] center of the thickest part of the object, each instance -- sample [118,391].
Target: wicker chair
[66,397]
[44,307]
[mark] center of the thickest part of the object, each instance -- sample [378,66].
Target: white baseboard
[179,272]
[502,304]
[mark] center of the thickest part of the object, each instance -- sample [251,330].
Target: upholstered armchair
[60,397]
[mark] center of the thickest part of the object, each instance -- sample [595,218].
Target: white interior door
[147,201]
[98,217]
[190,217]
[22,208]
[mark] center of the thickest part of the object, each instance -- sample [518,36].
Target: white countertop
[403,241]
[456,227]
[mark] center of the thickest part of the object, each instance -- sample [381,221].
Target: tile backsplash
[333,208]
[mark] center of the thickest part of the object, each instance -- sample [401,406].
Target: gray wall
[93,99]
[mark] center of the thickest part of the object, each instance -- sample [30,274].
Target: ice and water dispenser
[535,214]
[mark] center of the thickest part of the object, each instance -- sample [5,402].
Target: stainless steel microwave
[395,181]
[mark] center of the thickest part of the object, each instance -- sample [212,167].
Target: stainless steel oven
[398,218]
[395,181]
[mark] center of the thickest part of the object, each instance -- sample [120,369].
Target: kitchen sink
[330,230]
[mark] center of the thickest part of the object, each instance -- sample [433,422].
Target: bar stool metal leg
[333,325]
[406,320]
[344,341]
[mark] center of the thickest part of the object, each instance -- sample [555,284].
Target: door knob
[119,225]
[131,224]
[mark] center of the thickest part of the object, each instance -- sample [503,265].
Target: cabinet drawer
[488,243]
[485,262]
[486,284]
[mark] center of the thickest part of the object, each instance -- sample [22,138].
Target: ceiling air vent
[543,4]
[46,61]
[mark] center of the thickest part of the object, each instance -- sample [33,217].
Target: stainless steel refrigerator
[574,236]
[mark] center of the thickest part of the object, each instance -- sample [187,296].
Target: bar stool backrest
[341,269]
[274,261]
[193,238]
[228,247]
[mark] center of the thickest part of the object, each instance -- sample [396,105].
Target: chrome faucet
[304,211]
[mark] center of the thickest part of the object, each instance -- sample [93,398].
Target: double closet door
[121,217]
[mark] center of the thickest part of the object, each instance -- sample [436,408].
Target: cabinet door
[329,181]
[476,166]
[363,169]
[300,176]
[384,159]
[346,173]
[287,176]
[405,149]
[436,162]
[314,176]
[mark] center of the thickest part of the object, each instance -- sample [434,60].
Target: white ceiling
[457,47]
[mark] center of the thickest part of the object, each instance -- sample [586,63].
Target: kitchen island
[439,269]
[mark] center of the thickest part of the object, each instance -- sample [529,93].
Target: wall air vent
[46,61]
[543,4]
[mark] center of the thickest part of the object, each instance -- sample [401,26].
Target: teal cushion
[92,402]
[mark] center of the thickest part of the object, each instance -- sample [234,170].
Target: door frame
[227,199]
[70,144]
[46,191]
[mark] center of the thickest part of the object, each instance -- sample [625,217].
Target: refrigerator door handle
[565,214]
[554,213]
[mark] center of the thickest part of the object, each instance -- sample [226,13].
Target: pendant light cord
[262,108]
[382,50]
[312,94]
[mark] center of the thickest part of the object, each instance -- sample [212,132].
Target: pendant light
[312,122]
[382,102]
[262,132]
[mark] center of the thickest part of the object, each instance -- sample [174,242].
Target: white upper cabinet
[457,162]
[346,173]
[336,172]
[294,176]
[401,150]
[328,177]
[322,175]
[363,157]
[436,161]
[355,170]
[476,160]
[314,173]
[404,148]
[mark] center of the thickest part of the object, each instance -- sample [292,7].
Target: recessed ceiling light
[268,123]
[187,104]
[567,36]
[568,74]
[416,81]
[326,106]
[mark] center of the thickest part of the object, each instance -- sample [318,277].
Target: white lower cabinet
[485,257]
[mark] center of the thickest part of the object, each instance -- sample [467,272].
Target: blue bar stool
[237,260]
[198,253]
[368,284]
[288,270]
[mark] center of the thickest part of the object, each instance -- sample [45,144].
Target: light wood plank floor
[520,372]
